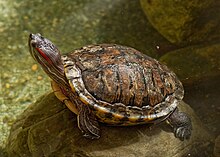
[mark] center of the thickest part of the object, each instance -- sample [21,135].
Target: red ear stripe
[43,55]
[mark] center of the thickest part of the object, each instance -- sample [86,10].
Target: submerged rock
[48,128]
[184,22]
[195,62]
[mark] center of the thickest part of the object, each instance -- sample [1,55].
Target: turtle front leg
[87,121]
[181,124]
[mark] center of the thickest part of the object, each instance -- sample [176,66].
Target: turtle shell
[145,89]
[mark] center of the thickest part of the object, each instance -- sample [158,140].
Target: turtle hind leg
[88,123]
[181,124]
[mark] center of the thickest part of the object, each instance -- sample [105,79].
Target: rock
[217,147]
[48,128]
[205,92]
[194,63]
[184,22]
[129,27]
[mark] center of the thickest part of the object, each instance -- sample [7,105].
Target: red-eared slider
[112,84]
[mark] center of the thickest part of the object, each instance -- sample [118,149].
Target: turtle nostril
[31,36]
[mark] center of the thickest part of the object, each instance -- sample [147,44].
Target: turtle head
[48,56]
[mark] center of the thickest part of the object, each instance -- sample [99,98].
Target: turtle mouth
[31,46]
[34,42]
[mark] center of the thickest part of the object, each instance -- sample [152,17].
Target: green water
[73,24]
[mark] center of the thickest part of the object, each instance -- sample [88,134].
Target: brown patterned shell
[119,74]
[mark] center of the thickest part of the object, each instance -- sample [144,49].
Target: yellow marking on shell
[114,119]
[117,116]
[72,87]
[84,100]
[148,118]
[132,119]
[65,65]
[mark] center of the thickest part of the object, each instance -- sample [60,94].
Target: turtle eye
[38,34]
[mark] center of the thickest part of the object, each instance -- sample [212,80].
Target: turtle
[112,84]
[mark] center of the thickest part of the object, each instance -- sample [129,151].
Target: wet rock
[184,22]
[194,63]
[48,128]
[217,147]
[206,92]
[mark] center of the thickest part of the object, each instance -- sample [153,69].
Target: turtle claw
[91,136]
[182,132]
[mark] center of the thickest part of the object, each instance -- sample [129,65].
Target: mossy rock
[47,128]
[194,63]
[184,22]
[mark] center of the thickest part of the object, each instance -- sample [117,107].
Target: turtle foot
[88,123]
[181,124]
[182,133]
